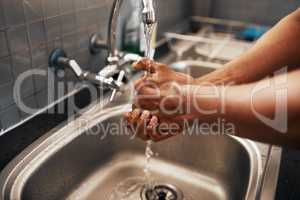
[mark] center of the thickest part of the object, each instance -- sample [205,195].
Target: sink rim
[48,144]
[15,175]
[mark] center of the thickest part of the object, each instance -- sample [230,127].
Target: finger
[135,114]
[129,125]
[147,92]
[153,123]
[147,99]
[165,130]
[127,116]
[146,104]
[144,119]
[158,77]
[145,81]
[139,82]
[152,128]
[141,125]
[145,64]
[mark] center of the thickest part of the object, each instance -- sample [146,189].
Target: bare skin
[170,90]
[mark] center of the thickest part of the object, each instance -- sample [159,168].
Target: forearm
[244,107]
[278,48]
[260,114]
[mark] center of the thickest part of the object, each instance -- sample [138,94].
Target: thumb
[145,64]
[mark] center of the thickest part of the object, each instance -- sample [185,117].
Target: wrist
[203,102]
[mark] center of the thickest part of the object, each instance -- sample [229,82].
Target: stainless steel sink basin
[75,163]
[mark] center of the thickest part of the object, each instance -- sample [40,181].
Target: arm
[239,111]
[240,103]
[278,48]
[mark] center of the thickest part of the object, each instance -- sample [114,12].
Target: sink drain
[162,192]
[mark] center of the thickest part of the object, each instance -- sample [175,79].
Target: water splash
[129,189]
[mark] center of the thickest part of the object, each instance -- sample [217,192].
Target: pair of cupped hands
[159,107]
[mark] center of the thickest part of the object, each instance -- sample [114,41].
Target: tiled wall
[30,29]
[266,12]
[201,7]
[172,12]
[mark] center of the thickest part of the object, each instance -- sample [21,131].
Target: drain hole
[162,192]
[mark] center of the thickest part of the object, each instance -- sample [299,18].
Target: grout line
[60,22]
[45,44]
[29,41]
[47,18]
[13,75]
[43,4]
[1,127]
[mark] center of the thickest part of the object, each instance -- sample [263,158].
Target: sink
[76,161]
[73,162]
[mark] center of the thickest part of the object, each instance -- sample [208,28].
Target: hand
[160,89]
[161,72]
[159,92]
[146,126]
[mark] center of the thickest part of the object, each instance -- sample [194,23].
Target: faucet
[115,60]
[59,60]
[148,17]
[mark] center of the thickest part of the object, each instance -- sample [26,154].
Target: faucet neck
[112,29]
[148,18]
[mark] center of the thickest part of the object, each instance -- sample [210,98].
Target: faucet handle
[119,81]
[59,60]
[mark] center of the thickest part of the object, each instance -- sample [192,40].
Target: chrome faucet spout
[115,59]
[148,15]
[112,31]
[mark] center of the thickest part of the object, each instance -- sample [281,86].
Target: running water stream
[147,170]
[149,30]
[129,188]
[149,53]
